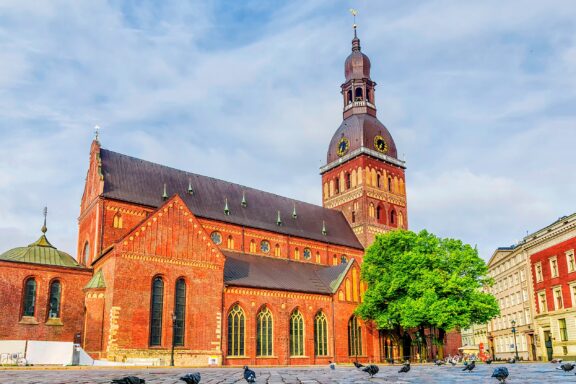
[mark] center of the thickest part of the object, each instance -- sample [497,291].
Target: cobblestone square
[519,373]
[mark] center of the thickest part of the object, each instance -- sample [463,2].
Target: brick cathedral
[226,273]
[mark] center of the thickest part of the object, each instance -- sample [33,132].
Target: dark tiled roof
[129,179]
[244,270]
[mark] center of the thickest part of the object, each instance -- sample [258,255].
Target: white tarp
[49,352]
[12,346]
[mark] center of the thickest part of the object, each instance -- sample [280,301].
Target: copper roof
[360,130]
[142,182]
[243,270]
[40,252]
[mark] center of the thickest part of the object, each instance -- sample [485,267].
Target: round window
[265,246]
[343,259]
[307,253]
[216,237]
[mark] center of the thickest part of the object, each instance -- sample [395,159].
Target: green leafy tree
[417,280]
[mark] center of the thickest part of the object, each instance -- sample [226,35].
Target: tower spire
[355,40]
[44,228]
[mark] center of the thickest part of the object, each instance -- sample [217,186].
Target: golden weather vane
[354,12]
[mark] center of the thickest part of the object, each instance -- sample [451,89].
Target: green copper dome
[40,252]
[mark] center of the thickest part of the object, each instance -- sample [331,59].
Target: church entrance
[387,346]
[406,347]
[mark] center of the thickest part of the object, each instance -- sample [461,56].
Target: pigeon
[470,366]
[405,368]
[512,361]
[439,362]
[488,361]
[501,373]
[566,367]
[452,363]
[129,380]
[191,378]
[249,375]
[371,369]
[358,365]
[555,361]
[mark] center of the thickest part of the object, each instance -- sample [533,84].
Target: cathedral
[220,273]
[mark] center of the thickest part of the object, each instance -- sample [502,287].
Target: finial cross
[96,132]
[354,12]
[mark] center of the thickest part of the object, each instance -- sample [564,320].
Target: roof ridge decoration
[278,220]
[244,203]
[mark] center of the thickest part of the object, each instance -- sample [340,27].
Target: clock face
[380,144]
[343,146]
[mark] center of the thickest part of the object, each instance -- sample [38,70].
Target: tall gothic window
[29,297]
[358,94]
[179,311]
[86,253]
[236,321]
[354,337]
[296,334]
[156,311]
[320,335]
[54,299]
[264,333]
[393,217]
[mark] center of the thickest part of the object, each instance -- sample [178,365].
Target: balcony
[362,103]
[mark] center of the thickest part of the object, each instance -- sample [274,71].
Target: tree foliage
[420,280]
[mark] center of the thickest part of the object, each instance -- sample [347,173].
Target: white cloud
[478,96]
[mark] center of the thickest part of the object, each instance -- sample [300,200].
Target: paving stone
[528,373]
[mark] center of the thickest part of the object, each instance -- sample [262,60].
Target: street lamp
[514,333]
[173,339]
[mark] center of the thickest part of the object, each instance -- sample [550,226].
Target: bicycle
[13,359]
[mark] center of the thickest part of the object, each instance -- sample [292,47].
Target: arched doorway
[406,347]
[388,346]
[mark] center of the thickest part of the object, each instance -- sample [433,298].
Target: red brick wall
[369,194]
[11,296]
[564,277]
[172,244]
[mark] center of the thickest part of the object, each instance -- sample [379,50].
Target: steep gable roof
[246,270]
[142,182]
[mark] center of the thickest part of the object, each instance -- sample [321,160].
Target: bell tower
[363,176]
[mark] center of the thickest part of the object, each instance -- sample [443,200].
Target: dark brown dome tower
[363,176]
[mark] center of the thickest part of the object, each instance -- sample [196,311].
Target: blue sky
[479,96]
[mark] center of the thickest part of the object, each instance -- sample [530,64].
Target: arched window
[29,304]
[318,257]
[156,311]
[354,337]
[320,335]
[277,250]
[358,94]
[86,253]
[54,300]
[252,246]
[117,220]
[379,180]
[392,217]
[371,210]
[179,312]
[378,213]
[348,290]
[368,95]
[334,260]
[337,185]
[389,184]
[296,334]
[353,216]
[400,220]
[296,254]
[264,333]
[230,242]
[349,96]
[343,259]
[236,328]
[348,180]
